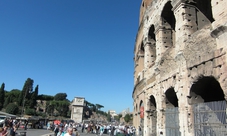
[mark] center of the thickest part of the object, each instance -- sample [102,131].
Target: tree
[45,97]
[98,106]
[25,93]
[127,118]
[30,112]
[60,96]
[33,98]
[62,108]
[12,108]
[2,96]
[11,97]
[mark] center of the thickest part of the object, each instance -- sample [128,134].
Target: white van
[2,120]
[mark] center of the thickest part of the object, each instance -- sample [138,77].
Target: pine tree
[2,96]
[34,96]
[26,92]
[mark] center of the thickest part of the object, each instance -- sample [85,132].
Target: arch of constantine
[180,68]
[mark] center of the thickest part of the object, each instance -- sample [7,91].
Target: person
[5,132]
[56,130]
[101,130]
[83,128]
[69,132]
[13,130]
[76,132]
[48,125]
[26,124]
[60,132]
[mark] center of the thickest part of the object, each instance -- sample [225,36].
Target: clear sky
[83,48]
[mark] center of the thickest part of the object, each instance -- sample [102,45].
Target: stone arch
[171,97]
[139,63]
[205,7]
[168,15]
[152,113]
[151,33]
[141,49]
[206,89]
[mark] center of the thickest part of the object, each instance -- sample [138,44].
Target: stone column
[160,112]
[146,117]
[147,61]
[185,15]
[163,41]
[149,55]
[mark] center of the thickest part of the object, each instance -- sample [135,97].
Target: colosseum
[180,68]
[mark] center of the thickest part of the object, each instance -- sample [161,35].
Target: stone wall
[180,60]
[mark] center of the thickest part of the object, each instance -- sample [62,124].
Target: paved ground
[44,132]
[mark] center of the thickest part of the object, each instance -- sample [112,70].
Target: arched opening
[205,7]
[171,97]
[209,106]
[153,114]
[151,34]
[139,64]
[168,15]
[141,117]
[208,88]
[172,113]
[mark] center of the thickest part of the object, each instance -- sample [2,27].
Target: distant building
[126,111]
[112,113]
[77,107]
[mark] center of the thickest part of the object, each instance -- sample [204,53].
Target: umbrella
[57,122]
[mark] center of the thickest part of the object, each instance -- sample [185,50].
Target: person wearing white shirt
[69,132]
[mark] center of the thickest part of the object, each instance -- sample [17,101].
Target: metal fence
[172,122]
[210,119]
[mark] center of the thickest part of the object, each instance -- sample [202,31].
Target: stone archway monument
[77,109]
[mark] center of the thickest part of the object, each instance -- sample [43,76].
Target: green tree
[25,93]
[98,106]
[127,118]
[2,96]
[33,98]
[7,101]
[117,117]
[11,97]
[30,112]
[45,97]
[12,108]
[62,108]
[60,96]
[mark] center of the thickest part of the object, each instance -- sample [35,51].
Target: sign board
[142,112]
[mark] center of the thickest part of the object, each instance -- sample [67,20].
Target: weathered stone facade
[180,60]
[77,107]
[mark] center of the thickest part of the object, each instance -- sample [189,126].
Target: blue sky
[80,47]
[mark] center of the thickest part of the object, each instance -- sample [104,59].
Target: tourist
[69,132]
[5,131]
[101,130]
[13,130]
[60,132]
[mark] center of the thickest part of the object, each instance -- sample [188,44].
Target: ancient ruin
[77,107]
[180,68]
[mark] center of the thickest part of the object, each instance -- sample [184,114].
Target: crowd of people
[63,129]
[111,130]
[10,127]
